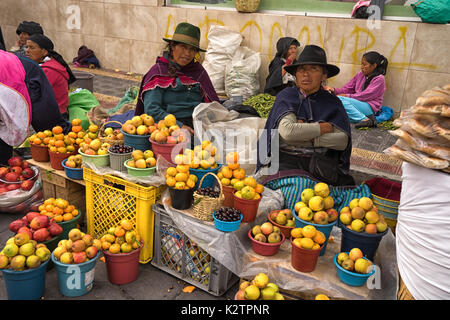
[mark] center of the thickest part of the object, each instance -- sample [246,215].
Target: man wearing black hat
[24,31]
[312,124]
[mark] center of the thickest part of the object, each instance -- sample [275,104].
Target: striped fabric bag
[292,188]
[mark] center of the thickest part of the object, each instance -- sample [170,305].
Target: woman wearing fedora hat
[313,127]
[176,84]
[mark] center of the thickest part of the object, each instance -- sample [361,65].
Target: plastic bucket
[97,160]
[284,229]
[325,228]
[249,208]
[116,160]
[368,243]
[25,285]
[68,225]
[39,153]
[181,199]
[72,173]
[56,159]
[351,278]
[263,248]
[75,280]
[227,226]
[209,181]
[51,245]
[304,260]
[138,142]
[139,172]
[122,268]
[228,193]
[165,150]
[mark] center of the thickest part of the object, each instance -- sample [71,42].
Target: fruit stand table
[55,184]
[233,250]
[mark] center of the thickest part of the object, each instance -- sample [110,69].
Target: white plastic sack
[241,75]
[228,132]
[422,232]
[222,45]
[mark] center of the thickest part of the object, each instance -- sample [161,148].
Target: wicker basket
[103,139]
[247,5]
[205,206]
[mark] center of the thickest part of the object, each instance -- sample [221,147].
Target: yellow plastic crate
[110,199]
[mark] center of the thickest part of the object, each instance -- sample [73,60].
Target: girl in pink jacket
[40,49]
[363,95]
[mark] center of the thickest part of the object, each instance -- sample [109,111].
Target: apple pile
[58,209]
[142,159]
[179,178]
[95,147]
[79,248]
[167,131]
[37,226]
[267,233]
[204,156]
[61,143]
[308,237]
[120,239]
[362,216]
[248,189]
[316,205]
[232,172]
[112,134]
[74,161]
[140,125]
[259,289]
[18,175]
[22,253]
[283,217]
[354,261]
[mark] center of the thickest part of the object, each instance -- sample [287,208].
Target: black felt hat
[313,54]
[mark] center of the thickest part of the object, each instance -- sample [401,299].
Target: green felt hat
[188,34]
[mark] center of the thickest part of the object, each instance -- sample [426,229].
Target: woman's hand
[325,127]
[185,127]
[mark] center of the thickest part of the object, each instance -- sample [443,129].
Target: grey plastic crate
[179,256]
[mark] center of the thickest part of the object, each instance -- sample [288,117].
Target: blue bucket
[209,181]
[75,280]
[136,141]
[227,226]
[72,173]
[351,278]
[325,228]
[368,243]
[25,285]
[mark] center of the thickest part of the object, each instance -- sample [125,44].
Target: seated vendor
[176,84]
[24,31]
[40,50]
[278,78]
[363,95]
[313,127]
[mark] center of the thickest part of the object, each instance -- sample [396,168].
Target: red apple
[3,190]
[11,177]
[26,230]
[332,215]
[28,173]
[15,161]
[27,185]
[3,172]
[39,222]
[54,229]
[16,225]
[17,169]
[91,252]
[41,235]
[25,164]
[79,257]
[31,215]
[13,186]
[171,140]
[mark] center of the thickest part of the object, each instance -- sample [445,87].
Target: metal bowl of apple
[14,177]
[353,271]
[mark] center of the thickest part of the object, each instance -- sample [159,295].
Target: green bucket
[67,226]
[97,160]
[138,172]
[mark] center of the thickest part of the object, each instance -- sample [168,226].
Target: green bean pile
[262,103]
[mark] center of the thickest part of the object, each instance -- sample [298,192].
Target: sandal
[371,121]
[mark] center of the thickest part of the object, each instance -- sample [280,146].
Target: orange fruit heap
[121,238]
[58,209]
[41,138]
[178,177]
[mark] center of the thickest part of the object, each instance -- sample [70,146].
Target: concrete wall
[126,34]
